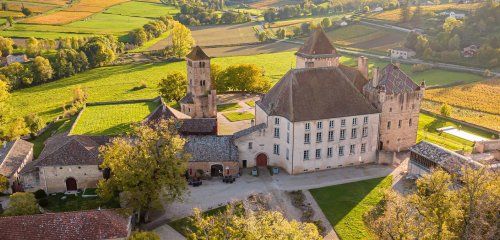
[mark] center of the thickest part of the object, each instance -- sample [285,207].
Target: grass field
[142,9]
[238,116]
[250,103]
[228,107]
[111,119]
[395,15]
[118,82]
[344,205]
[265,4]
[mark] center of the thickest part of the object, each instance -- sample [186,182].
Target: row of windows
[329,151]
[200,64]
[331,135]
[331,123]
[400,123]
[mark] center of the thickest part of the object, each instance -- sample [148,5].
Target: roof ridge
[356,89]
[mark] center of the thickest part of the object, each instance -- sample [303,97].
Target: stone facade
[53,178]
[315,62]
[228,167]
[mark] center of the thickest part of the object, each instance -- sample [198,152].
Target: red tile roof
[92,225]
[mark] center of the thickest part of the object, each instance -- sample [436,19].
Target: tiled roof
[80,225]
[12,156]
[317,44]
[448,160]
[64,150]
[394,80]
[197,54]
[211,148]
[249,130]
[315,93]
[187,99]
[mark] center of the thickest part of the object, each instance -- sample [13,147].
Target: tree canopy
[22,203]
[173,87]
[243,77]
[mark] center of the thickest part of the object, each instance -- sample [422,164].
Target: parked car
[228,179]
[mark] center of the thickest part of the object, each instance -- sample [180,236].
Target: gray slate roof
[249,130]
[187,99]
[316,93]
[317,45]
[448,160]
[12,156]
[211,148]
[394,80]
[197,54]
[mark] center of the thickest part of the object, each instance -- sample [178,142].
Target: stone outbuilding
[13,157]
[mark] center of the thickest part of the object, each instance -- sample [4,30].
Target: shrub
[40,193]
[44,202]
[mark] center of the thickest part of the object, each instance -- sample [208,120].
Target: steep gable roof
[394,80]
[197,54]
[317,44]
[314,94]
[12,156]
[93,224]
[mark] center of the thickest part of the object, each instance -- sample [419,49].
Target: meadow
[395,14]
[344,205]
[142,9]
[112,119]
[265,4]
[116,83]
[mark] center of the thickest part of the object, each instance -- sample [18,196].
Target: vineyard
[395,15]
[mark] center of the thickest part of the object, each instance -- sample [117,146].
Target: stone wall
[317,62]
[229,167]
[53,178]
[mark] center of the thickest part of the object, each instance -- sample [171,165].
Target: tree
[173,87]
[138,37]
[215,73]
[182,41]
[4,183]
[4,88]
[10,20]
[445,110]
[42,70]
[18,75]
[326,22]
[143,235]
[26,11]
[238,223]
[263,37]
[146,170]
[32,47]
[454,43]
[22,203]
[451,23]
[34,123]
[6,46]
[15,128]
[100,50]
[243,77]
[281,33]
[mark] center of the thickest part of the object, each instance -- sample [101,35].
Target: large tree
[238,223]
[42,70]
[4,183]
[101,50]
[6,46]
[33,47]
[182,40]
[22,203]
[146,167]
[243,77]
[173,87]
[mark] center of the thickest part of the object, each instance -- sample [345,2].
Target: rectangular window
[306,154]
[331,124]
[341,151]
[250,145]
[354,121]
[276,133]
[308,126]
[276,121]
[309,64]
[363,147]
[319,125]
[287,154]
[365,120]
[276,149]
[351,149]
[365,132]
[389,125]
[307,138]
[342,134]
[354,133]
[288,126]
[399,123]
[330,136]
[342,123]
[409,122]
[319,137]
[318,153]
[329,152]
[287,137]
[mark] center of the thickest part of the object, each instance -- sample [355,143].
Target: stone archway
[71,184]
[216,170]
[261,160]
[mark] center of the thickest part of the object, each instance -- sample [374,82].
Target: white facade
[313,145]
[402,53]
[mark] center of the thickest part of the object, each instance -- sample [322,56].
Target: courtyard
[235,112]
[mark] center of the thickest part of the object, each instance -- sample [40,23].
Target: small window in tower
[309,64]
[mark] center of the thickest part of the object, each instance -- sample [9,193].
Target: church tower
[317,51]
[200,100]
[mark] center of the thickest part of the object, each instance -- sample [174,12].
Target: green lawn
[142,9]
[250,103]
[428,124]
[344,205]
[112,119]
[237,116]
[117,82]
[228,107]
[77,203]
[151,42]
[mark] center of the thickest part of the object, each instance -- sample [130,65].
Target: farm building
[92,224]
[403,53]
[470,51]
[10,59]
[13,157]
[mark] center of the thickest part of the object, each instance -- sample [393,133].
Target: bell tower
[317,52]
[200,100]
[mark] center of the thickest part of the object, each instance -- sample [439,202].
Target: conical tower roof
[318,44]
[197,54]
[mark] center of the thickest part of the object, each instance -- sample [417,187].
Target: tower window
[309,64]
[389,125]
[409,123]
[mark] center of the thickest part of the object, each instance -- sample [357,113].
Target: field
[111,119]
[265,4]
[78,11]
[344,205]
[117,83]
[117,20]
[395,15]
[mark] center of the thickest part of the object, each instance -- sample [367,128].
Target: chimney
[363,66]
[375,77]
